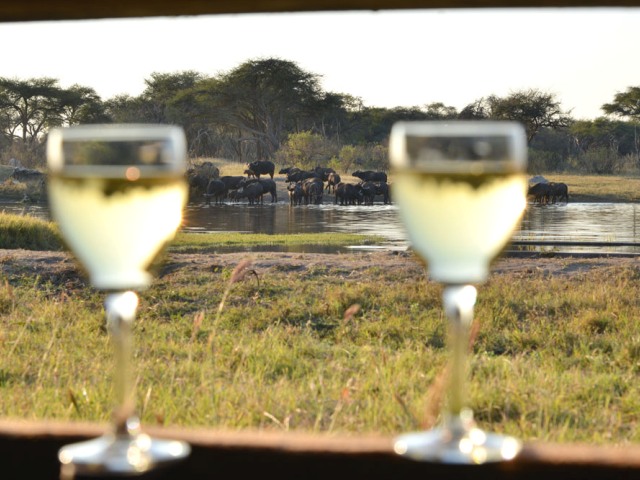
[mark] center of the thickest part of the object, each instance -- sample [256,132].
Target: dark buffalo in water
[348,194]
[217,190]
[296,195]
[268,186]
[252,192]
[548,192]
[233,182]
[368,190]
[333,180]
[312,190]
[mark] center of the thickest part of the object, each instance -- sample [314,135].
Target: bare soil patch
[60,267]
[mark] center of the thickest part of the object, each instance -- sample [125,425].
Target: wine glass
[117,193]
[461,191]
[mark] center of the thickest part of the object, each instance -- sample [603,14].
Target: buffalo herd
[311,187]
[304,187]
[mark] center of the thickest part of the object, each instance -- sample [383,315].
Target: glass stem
[458,301]
[120,310]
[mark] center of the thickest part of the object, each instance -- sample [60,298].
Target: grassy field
[318,343]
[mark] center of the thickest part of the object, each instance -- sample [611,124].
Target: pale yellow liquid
[459,223]
[116,228]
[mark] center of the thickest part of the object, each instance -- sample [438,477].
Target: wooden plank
[82,9]
[29,450]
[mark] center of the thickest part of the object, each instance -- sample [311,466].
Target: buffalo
[348,194]
[268,186]
[383,189]
[548,192]
[262,167]
[370,176]
[333,180]
[296,195]
[233,182]
[286,170]
[217,190]
[324,172]
[312,190]
[252,192]
[559,192]
[369,190]
[300,175]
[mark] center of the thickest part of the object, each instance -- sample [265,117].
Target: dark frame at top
[36,10]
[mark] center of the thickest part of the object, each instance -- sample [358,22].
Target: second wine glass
[461,191]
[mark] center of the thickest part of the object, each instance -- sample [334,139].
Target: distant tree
[373,124]
[533,108]
[477,110]
[440,111]
[125,109]
[79,104]
[351,156]
[29,107]
[305,150]
[618,138]
[265,100]
[161,89]
[625,104]
[550,150]
[334,113]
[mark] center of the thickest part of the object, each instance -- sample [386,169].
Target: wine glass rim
[461,128]
[116,131]
[171,136]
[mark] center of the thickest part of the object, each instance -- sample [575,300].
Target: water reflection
[583,222]
[281,218]
[573,222]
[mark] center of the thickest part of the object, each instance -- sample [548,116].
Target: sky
[387,58]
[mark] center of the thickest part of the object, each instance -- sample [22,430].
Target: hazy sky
[388,58]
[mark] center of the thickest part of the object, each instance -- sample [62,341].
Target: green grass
[555,358]
[30,233]
[18,231]
[203,242]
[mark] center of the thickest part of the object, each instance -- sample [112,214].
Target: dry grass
[331,343]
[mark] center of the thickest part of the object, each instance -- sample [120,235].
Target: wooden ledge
[31,10]
[29,450]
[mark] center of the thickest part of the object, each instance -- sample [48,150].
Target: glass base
[120,455]
[458,441]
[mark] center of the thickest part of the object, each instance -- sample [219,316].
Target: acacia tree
[533,108]
[625,104]
[263,101]
[125,109]
[79,104]
[28,107]
[440,111]
[162,89]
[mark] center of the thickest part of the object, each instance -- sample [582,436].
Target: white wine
[117,227]
[458,223]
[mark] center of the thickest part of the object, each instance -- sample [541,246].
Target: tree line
[272,109]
